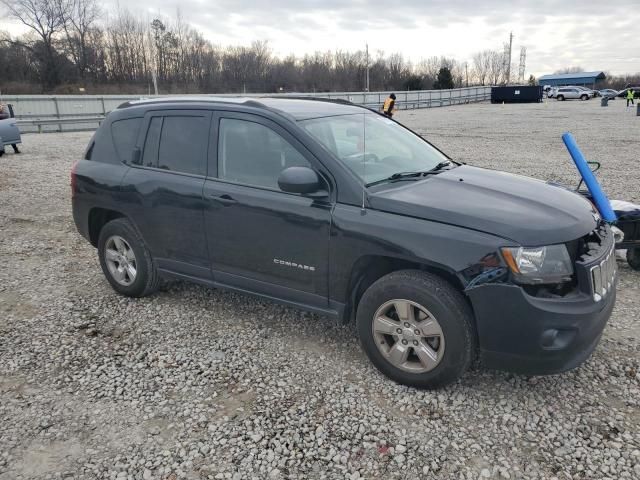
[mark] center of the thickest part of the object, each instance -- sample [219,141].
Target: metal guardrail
[57,113]
[40,122]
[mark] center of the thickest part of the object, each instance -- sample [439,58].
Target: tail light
[74,179]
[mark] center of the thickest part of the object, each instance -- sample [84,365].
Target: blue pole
[599,197]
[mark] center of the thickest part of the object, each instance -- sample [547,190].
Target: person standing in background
[389,105]
[630,95]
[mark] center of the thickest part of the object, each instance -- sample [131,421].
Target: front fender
[357,233]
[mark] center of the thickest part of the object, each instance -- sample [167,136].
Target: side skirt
[335,310]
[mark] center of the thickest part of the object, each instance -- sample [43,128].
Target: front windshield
[372,146]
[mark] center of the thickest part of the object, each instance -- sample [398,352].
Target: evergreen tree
[444,79]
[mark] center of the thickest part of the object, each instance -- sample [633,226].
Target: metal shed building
[582,79]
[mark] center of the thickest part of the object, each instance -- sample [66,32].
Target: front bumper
[537,336]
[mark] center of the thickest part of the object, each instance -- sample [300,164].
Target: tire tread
[454,302]
[124,225]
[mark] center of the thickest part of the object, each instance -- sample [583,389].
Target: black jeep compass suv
[333,208]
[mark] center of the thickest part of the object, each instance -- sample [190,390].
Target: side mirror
[299,180]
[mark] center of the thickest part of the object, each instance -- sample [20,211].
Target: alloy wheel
[120,260]
[408,336]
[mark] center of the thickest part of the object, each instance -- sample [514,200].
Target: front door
[260,238]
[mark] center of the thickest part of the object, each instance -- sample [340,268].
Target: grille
[603,276]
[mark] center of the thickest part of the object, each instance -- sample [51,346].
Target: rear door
[260,238]
[164,190]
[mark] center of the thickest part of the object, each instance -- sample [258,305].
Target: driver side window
[252,154]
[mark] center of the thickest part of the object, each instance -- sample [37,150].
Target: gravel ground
[196,383]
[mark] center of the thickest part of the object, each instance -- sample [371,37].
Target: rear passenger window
[150,155]
[253,154]
[183,144]
[124,134]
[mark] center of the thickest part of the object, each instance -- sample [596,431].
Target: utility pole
[154,77]
[507,59]
[466,72]
[366,82]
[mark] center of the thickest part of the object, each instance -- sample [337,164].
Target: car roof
[300,108]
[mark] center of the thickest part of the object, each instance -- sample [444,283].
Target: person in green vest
[630,95]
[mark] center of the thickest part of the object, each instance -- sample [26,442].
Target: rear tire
[443,346]
[125,260]
[633,258]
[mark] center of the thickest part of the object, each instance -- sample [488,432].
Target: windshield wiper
[408,175]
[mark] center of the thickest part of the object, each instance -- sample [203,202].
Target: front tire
[416,329]
[633,258]
[560,98]
[125,260]
[584,97]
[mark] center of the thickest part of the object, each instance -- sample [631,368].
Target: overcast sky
[597,35]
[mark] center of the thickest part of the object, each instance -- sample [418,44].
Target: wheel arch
[369,268]
[98,218]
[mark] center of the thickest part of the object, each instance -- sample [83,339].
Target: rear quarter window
[124,134]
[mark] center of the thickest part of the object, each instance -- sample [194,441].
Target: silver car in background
[592,93]
[571,93]
[608,93]
[9,131]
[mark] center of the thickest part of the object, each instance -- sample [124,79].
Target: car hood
[527,211]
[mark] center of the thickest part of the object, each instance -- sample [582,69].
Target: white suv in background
[566,93]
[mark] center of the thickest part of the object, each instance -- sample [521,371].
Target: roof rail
[315,99]
[254,103]
[159,100]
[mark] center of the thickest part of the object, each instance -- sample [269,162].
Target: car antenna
[364,164]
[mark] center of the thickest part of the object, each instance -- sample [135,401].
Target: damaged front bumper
[537,336]
[522,332]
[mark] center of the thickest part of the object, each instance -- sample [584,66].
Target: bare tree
[429,67]
[349,70]
[44,18]
[496,67]
[127,49]
[71,41]
[78,19]
[482,66]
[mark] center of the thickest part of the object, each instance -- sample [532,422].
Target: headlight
[550,264]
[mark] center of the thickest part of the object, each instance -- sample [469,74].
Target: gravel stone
[194,383]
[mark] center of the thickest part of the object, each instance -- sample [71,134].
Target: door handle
[224,199]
